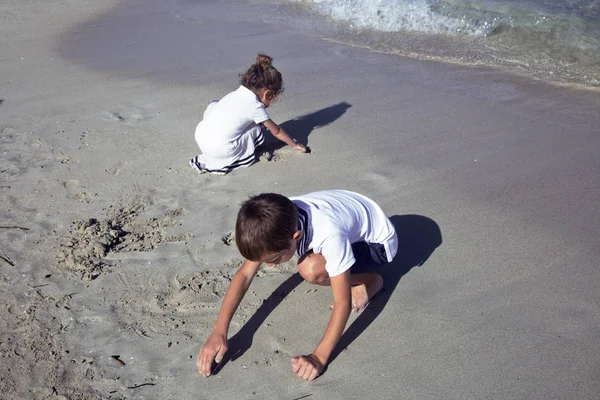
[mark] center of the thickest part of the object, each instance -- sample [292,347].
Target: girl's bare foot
[363,293]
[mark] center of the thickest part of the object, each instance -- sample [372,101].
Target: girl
[233,127]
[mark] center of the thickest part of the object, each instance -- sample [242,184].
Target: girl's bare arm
[282,135]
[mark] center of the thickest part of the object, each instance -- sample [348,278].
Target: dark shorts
[368,256]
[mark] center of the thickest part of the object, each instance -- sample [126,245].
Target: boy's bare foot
[363,293]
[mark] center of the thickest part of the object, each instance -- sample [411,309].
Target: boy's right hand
[214,349]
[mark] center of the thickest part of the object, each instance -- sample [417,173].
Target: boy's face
[284,255]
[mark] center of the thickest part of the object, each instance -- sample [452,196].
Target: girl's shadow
[418,237]
[300,128]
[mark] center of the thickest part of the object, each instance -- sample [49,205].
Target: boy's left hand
[307,367]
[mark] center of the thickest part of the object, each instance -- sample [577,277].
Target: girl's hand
[300,147]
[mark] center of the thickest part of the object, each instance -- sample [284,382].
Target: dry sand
[116,255]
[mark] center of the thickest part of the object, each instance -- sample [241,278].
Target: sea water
[554,40]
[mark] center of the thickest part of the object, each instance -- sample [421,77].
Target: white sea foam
[399,15]
[549,39]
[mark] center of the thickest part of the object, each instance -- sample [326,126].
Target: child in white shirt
[232,128]
[340,238]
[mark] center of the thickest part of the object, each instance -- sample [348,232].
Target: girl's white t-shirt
[226,121]
[337,218]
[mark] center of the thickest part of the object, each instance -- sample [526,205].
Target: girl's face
[266,97]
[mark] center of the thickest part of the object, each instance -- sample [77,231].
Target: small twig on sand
[38,286]
[303,397]
[118,360]
[6,258]
[12,264]
[39,293]
[54,393]
[14,227]
[140,385]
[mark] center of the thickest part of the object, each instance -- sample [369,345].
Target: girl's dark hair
[262,75]
[265,225]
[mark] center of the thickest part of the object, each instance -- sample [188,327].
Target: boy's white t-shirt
[337,218]
[229,119]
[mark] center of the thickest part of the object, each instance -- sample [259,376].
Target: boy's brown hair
[265,225]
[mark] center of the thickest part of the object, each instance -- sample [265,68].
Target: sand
[116,255]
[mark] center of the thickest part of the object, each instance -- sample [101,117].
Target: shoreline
[298,19]
[499,69]
[488,51]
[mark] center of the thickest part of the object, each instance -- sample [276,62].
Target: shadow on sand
[242,340]
[418,237]
[300,128]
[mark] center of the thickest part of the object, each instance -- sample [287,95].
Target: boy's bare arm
[235,293]
[342,306]
[216,345]
[282,135]
[307,367]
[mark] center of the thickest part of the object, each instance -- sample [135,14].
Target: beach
[116,255]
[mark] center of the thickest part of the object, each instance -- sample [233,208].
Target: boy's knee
[312,272]
[308,275]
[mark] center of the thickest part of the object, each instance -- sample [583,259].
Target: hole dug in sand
[90,240]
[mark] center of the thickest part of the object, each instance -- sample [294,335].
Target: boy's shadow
[418,237]
[242,340]
[300,128]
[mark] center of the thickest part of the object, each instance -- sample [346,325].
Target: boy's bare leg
[364,286]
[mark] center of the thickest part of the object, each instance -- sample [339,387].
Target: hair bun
[264,61]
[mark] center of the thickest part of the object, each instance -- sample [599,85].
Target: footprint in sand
[206,285]
[10,163]
[60,156]
[266,361]
[35,142]
[128,115]
[8,132]
[190,305]
[117,168]
[75,191]
[227,239]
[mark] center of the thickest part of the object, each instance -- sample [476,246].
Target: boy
[339,236]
